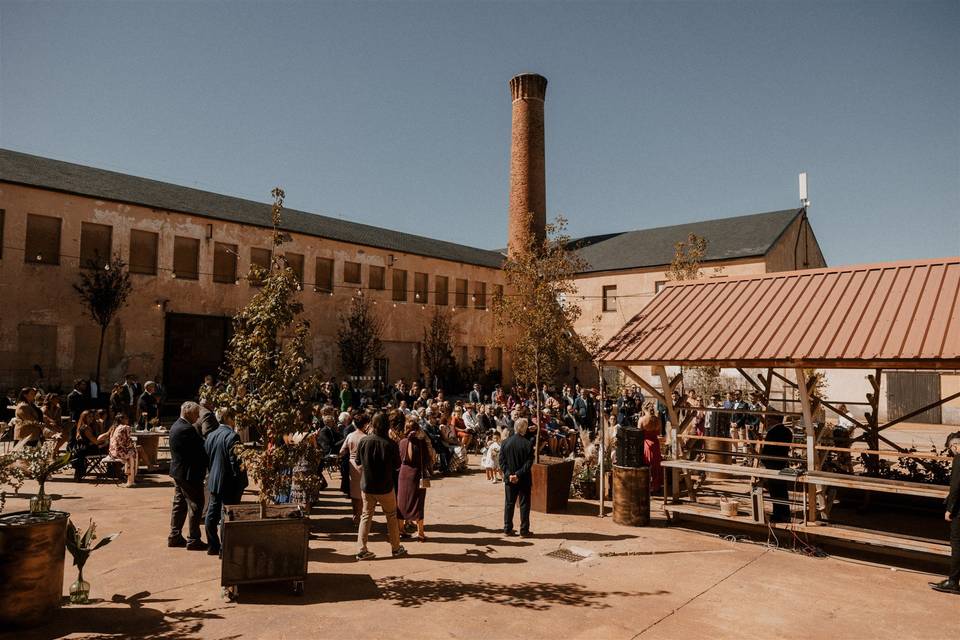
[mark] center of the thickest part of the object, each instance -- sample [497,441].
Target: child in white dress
[491,458]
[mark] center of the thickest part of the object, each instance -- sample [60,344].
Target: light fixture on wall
[161,304]
[209,232]
[390,260]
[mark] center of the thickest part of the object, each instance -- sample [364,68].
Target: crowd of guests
[86,424]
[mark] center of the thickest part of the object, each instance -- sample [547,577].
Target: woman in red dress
[649,423]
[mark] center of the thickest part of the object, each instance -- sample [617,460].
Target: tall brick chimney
[528,191]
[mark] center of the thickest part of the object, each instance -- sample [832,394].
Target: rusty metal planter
[551,485]
[32,550]
[271,549]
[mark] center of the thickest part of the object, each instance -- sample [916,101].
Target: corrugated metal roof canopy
[900,315]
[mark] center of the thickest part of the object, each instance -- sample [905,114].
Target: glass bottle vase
[80,590]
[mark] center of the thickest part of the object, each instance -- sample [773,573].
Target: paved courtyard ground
[468,581]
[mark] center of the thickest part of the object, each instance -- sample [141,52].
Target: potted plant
[267,381]
[40,463]
[586,482]
[32,543]
[79,546]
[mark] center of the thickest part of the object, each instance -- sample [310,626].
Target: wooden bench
[838,534]
[826,478]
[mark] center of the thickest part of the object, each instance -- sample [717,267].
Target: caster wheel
[230,594]
[298,587]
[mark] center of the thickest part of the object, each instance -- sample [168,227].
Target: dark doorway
[193,346]
[909,390]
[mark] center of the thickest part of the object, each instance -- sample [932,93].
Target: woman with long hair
[30,419]
[415,465]
[649,424]
[349,450]
[53,418]
[86,442]
[123,447]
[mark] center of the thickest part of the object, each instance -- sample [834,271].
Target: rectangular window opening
[610,297]
[399,285]
[351,272]
[377,278]
[144,252]
[224,263]
[43,240]
[421,288]
[324,275]
[186,258]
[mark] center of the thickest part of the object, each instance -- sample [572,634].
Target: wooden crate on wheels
[271,549]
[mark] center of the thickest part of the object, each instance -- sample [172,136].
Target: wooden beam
[646,386]
[804,388]
[749,379]
[671,412]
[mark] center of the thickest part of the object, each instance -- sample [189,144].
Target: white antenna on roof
[804,201]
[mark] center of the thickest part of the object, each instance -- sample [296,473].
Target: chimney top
[528,85]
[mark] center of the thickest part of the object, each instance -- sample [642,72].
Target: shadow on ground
[536,596]
[134,620]
[318,588]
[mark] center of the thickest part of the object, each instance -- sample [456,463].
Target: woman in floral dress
[123,447]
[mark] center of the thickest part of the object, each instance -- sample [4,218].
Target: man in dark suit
[188,466]
[78,400]
[227,480]
[952,515]
[516,461]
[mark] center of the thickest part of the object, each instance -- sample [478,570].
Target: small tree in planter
[537,313]
[268,380]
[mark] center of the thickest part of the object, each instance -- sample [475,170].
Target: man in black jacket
[952,515]
[516,461]
[188,467]
[78,400]
[378,458]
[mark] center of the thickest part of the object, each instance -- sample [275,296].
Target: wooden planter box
[32,550]
[272,549]
[551,485]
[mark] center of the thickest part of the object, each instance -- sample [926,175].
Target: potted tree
[267,382]
[535,317]
[32,543]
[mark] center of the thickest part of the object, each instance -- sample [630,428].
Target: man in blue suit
[226,480]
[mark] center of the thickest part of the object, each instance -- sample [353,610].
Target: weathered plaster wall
[42,294]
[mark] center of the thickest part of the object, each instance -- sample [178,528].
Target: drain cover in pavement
[566,555]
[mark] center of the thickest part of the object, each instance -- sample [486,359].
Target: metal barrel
[631,496]
[32,550]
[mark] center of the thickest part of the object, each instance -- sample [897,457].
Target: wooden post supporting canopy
[811,445]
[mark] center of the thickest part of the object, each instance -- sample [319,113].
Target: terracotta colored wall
[42,294]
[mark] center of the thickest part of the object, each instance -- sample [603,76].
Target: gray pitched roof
[738,237]
[727,238]
[36,171]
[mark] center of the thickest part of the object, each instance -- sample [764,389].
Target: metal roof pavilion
[898,315]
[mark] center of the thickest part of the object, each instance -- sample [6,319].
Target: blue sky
[398,114]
